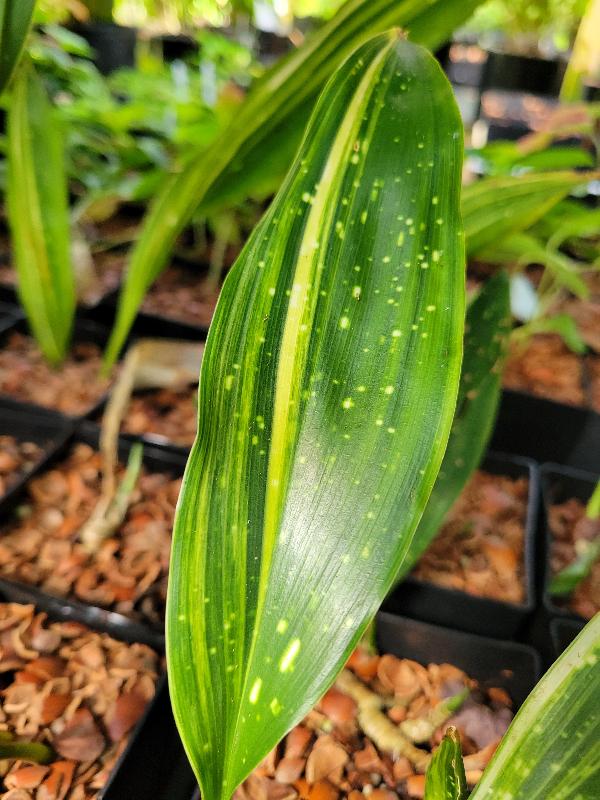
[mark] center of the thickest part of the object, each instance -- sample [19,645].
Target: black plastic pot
[113,45]
[27,424]
[547,431]
[154,765]
[516,73]
[562,633]
[132,768]
[560,483]
[99,618]
[9,314]
[84,330]
[456,609]
[176,47]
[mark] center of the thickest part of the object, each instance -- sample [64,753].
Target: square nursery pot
[560,483]
[103,619]
[562,633]
[47,430]
[84,331]
[517,73]
[453,608]
[9,314]
[135,776]
[159,322]
[547,431]
[507,665]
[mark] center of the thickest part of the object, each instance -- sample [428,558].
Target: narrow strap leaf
[15,21]
[445,778]
[38,214]
[494,207]
[266,131]
[326,397]
[486,338]
[552,749]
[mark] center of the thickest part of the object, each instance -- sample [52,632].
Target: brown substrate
[16,459]
[570,526]
[341,749]
[73,388]
[78,692]
[39,545]
[546,367]
[479,548]
[164,414]
[182,294]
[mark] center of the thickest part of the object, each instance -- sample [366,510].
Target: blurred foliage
[529,23]
[125,130]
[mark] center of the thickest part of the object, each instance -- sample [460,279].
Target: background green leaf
[326,397]
[486,339]
[493,207]
[265,133]
[446,779]
[15,21]
[38,214]
[552,749]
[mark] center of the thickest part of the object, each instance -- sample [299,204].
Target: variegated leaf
[446,779]
[552,749]
[326,397]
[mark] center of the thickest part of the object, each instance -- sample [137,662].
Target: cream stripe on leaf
[326,396]
[552,749]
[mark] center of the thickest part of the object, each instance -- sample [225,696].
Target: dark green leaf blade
[486,339]
[552,749]
[15,21]
[38,214]
[326,398]
[446,779]
[261,128]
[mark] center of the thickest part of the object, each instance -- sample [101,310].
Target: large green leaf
[15,21]
[265,132]
[493,207]
[446,779]
[326,397]
[38,214]
[552,749]
[486,339]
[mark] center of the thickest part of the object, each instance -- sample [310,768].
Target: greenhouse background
[299,400]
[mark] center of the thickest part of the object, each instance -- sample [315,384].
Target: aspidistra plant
[327,393]
[257,147]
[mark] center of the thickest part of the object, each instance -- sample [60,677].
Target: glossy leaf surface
[15,21]
[259,144]
[486,338]
[326,397]
[39,216]
[446,779]
[552,749]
